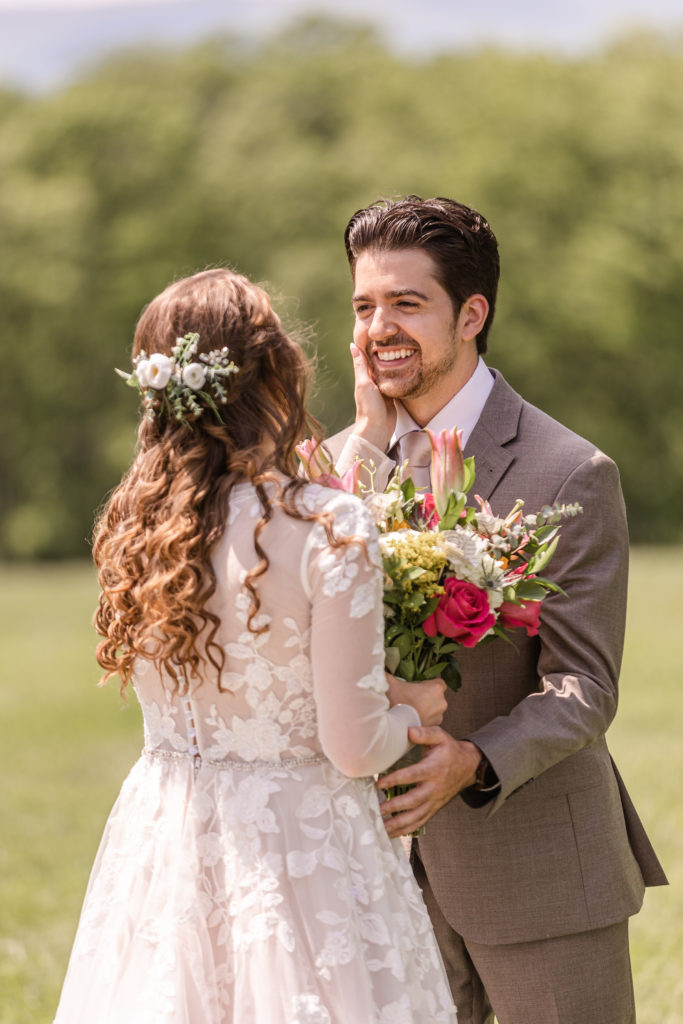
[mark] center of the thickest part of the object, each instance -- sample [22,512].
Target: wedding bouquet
[454,575]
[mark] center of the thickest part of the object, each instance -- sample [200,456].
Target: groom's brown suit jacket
[560,849]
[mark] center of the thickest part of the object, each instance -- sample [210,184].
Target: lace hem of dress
[226,764]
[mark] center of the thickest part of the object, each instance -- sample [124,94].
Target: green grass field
[67,745]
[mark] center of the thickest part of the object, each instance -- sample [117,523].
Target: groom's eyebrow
[395,293]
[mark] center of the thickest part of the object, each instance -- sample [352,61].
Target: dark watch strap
[485,777]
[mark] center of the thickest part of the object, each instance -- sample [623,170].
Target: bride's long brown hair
[153,539]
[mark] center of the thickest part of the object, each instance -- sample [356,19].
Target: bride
[245,875]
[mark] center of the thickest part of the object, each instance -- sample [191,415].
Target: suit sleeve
[581,638]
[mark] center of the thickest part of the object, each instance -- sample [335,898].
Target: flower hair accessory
[179,384]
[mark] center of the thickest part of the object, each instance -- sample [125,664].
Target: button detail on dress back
[193,748]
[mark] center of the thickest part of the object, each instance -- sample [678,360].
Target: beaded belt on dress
[240,766]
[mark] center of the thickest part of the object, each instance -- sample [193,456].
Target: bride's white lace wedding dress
[244,876]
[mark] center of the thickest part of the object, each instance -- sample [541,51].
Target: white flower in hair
[185,383]
[194,375]
[142,373]
[158,371]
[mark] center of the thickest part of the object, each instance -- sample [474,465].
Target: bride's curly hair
[153,538]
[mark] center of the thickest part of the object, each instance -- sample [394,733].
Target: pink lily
[314,459]
[448,466]
[348,481]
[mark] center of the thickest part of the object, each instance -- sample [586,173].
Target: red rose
[526,615]
[463,613]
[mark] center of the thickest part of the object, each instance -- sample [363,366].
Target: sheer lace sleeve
[358,730]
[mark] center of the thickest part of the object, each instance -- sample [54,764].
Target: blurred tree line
[155,165]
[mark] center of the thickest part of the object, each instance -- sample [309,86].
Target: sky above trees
[44,42]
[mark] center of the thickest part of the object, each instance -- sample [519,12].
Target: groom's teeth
[388,357]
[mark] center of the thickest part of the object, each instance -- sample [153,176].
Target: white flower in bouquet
[488,524]
[384,506]
[490,576]
[464,551]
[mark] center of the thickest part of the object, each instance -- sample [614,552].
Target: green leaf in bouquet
[430,606]
[408,489]
[469,474]
[434,670]
[414,601]
[392,659]
[529,590]
[403,644]
[540,560]
[502,633]
[413,572]
[554,513]
[544,534]
[406,669]
[469,518]
[555,588]
[452,514]
[451,675]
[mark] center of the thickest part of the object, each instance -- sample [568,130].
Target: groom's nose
[382,325]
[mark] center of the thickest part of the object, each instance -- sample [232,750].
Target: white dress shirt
[462,411]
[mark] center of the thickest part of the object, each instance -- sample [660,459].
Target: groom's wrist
[485,784]
[485,778]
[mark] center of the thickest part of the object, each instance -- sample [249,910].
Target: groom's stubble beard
[423,379]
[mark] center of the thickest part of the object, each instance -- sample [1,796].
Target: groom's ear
[472,316]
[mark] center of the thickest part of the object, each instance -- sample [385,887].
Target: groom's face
[405,323]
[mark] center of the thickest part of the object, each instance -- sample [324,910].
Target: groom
[534,857]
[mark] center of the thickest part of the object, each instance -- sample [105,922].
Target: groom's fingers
[410,811]
[426,736]
[402,777]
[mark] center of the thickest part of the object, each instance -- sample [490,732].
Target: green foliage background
[157,164]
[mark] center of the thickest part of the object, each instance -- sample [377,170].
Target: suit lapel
[496,426]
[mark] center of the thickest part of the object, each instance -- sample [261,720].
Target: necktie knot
[416,447]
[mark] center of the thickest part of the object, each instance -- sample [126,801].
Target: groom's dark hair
[459,240]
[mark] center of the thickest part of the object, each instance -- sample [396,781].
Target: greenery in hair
[178,385]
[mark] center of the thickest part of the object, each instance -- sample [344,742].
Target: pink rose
[526,615]
[430,517]
[463,613]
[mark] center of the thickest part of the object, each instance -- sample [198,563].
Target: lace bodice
[313,683]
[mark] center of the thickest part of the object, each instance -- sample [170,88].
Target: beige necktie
[416,448]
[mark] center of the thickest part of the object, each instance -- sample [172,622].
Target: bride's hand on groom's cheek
[447,767]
